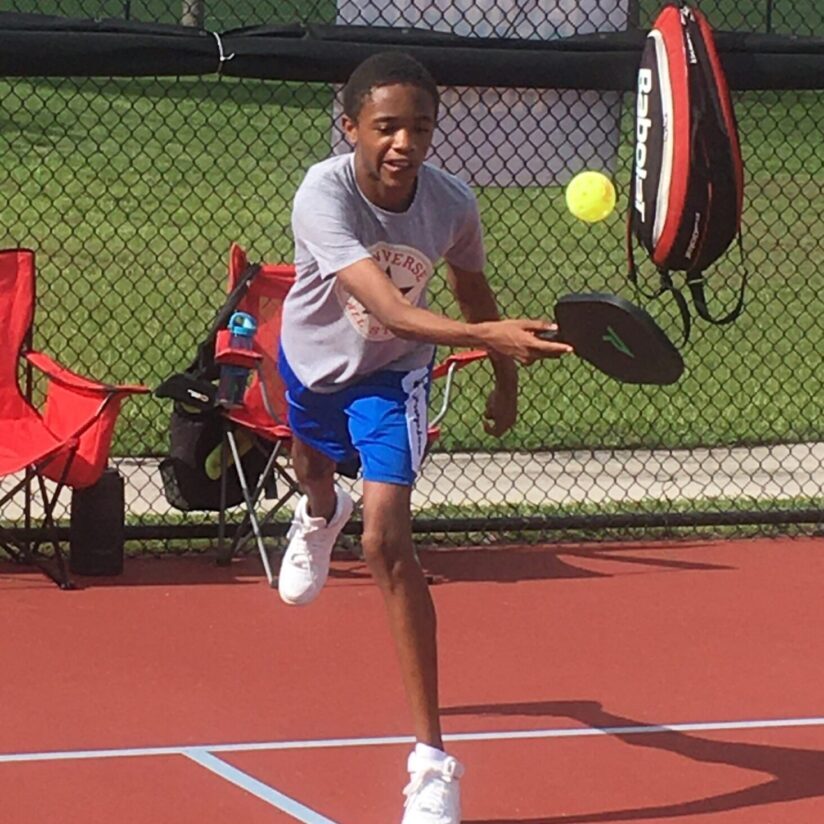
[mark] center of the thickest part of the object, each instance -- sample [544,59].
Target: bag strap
[695,282]
[665,285]
[632,268]
[680,301]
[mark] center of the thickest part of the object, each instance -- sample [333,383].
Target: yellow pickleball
[590,196]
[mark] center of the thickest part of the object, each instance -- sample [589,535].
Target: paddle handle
[548,334]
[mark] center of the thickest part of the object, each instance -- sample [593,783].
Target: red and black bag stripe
[688,178]
[715,197]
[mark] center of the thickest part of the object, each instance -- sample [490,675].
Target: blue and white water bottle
[233,379]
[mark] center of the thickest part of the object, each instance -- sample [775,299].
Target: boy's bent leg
[433,793]
[320,515]
[315,473]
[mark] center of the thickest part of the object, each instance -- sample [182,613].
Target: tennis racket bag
[687,180]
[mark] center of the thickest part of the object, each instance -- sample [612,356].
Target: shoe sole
[293,603]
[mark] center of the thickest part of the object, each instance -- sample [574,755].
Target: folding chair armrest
[82,410]
[447,368]
[71,380]
[456,361]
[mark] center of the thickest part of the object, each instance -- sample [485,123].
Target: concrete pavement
[759,473]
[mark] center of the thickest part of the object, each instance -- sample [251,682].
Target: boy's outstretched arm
[517,339]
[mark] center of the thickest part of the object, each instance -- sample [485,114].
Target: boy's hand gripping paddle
[617,337]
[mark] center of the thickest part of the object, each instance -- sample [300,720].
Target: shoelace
[302,554]
[428,787]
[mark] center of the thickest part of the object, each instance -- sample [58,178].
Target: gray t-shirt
[328,337]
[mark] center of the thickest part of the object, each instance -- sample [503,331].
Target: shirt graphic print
[407,268]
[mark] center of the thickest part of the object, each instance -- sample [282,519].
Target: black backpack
[687,179]
[196,425]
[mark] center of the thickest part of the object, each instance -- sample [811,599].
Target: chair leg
[242,531]
[27,520]
[26,551]
[266,480]
[291,483]
[224,555]
[250,505]
[62,578]
[243,534]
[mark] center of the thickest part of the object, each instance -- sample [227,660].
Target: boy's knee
[388,553]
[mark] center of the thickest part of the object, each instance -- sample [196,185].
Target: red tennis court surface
[607,683]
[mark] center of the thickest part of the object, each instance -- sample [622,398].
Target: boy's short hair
[385,69]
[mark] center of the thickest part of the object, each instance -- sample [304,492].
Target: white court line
[270,795]
[335,743]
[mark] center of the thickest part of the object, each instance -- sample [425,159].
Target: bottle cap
[243,324]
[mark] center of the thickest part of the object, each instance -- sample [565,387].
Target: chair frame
[251,526]
[24,546]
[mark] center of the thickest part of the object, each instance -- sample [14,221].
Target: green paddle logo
[614,340]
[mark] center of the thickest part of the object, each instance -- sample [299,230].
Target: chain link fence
[130,190]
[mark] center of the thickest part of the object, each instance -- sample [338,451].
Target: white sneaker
[433,795]
[305,565]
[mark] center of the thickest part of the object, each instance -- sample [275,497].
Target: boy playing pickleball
[356,349]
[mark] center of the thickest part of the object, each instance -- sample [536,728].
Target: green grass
[755,381]
[131,191]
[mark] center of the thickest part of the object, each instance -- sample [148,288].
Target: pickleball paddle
[617,337]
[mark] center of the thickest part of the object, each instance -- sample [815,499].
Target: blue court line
[257,788]
[335,743]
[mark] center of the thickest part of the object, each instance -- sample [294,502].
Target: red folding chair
[261,418]
[67,443]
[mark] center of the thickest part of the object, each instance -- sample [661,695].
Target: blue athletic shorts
[380,420]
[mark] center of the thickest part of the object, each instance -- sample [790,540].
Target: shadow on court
[145,571]
[501,564]
[793,774]
[509,564]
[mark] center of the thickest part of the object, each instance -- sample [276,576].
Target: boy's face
[391,137]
